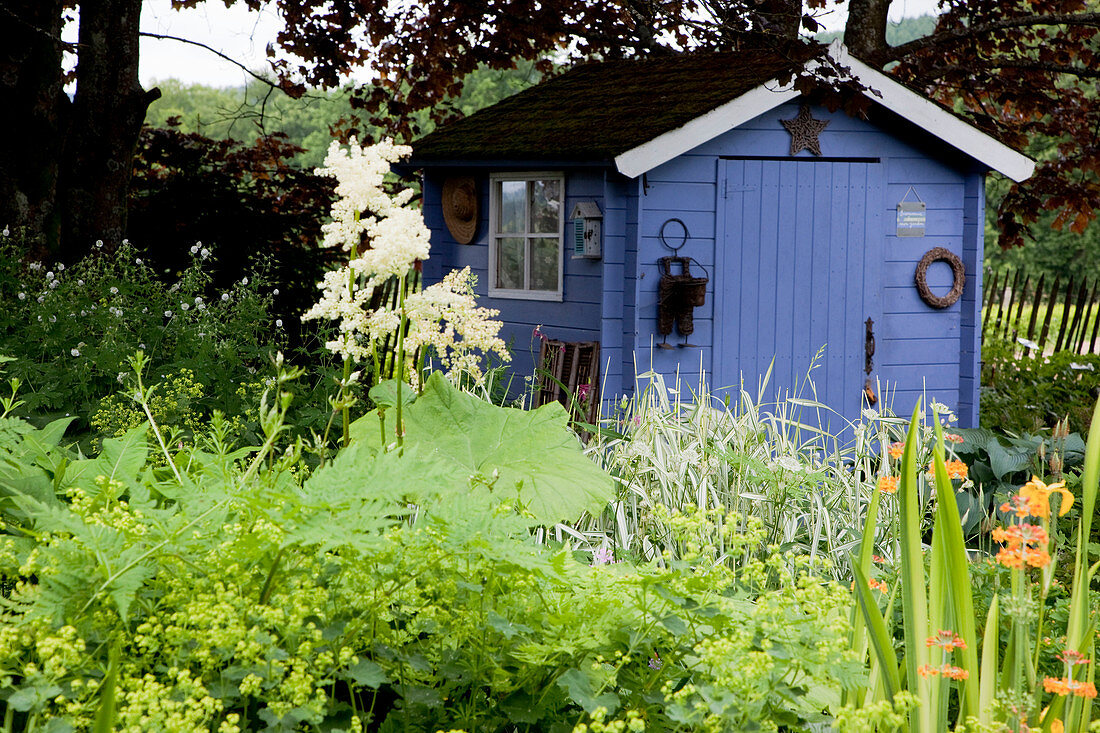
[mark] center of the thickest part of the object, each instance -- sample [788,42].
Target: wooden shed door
[796,272]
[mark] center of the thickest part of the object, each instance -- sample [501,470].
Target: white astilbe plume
[446,319]
[396,236]
[442,319]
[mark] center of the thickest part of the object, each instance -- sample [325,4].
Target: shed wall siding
[917,347]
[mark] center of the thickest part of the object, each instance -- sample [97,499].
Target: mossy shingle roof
[599,110]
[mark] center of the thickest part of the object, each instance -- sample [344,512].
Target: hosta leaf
[532,451]
[1004,462]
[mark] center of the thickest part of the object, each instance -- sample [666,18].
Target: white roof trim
[667,146]
[920,111]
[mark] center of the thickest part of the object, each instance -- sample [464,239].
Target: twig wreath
[939,254]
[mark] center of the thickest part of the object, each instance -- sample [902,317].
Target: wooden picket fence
[1056,314]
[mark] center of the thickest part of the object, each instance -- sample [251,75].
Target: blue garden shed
[859,235]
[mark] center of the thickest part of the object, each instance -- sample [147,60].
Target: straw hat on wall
[460,207]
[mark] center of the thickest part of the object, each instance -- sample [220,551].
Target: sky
[244,35]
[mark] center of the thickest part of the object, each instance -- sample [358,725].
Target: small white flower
[167,314]
[137,261]
[22,296]
[244,281]
[195,249]
[74,352]
[125,242]
[201,306]
[49,275]
[54,284]
[121,377]
[198,299]
[275,291]
[40,319]
[80,283]
[185,306]
[141,346]
[118,312]
[83,312]
[53,319]
[60,266]
[35,266]
[225,297]
[278,323]
[99,244]
[114,290]
[6,232]
[144,310]
[41,298]
[204,253]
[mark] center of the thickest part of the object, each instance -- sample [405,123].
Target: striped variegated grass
[809,487]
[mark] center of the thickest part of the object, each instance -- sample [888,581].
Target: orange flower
[955,469]
[1011,558]
[954,673]
[896,450]
[888,484]
[878,585]
[949,671]
[946,640]
[1072,657]
[1017,504]
[1067,686]
[1037,494]
[1016,535]
[1025,544]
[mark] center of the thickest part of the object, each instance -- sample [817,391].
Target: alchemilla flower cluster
[384,238]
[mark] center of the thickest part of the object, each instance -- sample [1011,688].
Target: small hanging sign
[912,216]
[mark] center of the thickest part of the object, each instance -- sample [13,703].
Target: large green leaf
[481,445]
[121,459]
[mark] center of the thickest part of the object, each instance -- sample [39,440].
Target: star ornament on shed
[804,131]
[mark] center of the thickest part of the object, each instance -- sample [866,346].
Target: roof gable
[642,113]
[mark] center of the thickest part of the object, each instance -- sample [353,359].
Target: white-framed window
[526,221]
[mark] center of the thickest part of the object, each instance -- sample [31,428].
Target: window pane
[545,256]
[510,263]
[545,206]
[512,195]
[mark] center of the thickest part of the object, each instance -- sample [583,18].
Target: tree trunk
[107,112]
[33,108]
[865,32]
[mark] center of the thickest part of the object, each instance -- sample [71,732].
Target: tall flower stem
[401,356]
[345,404]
